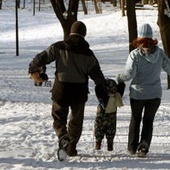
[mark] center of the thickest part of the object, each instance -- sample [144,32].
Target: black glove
[44,76]
[101,94]
[121,88]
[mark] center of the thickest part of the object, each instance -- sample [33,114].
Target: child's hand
[44,76]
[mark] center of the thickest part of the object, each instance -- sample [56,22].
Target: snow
[27,139]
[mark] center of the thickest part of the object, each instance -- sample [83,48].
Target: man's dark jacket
[75,63]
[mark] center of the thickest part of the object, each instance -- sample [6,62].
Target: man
[75,63]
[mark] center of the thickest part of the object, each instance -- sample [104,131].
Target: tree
[97,5]
[84,6]
[18,3]
[122,6]
[132,22]
[114,2]
[164,26]
[0,4]
[66,17]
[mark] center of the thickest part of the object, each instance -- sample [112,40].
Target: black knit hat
[78,28]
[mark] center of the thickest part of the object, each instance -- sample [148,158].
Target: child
[105,122]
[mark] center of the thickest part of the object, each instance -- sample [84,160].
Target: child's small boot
[109,145]
[98,145]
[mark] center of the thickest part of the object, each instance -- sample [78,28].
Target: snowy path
[27,140]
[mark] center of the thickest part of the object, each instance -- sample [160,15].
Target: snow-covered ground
[27,139]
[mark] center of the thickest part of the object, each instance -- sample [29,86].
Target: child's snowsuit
[105,122]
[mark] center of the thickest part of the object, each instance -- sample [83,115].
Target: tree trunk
[0,4]
[66,18]
[164,26]
[114,2]
[97,5]
[84,6]
[123,7]
[23,4]
[132,23]
[18,3]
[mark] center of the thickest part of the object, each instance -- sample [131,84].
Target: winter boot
[64,142]
[98,145]
[131,152]
[63,145]
[71,151]
[142,150]
[109,145]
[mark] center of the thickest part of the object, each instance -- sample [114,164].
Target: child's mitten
[44,76]
[35,76]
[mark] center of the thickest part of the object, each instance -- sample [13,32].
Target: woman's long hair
[144,42]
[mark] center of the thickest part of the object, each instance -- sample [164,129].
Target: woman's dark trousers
[149,107]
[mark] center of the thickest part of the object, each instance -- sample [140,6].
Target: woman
[144,66]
